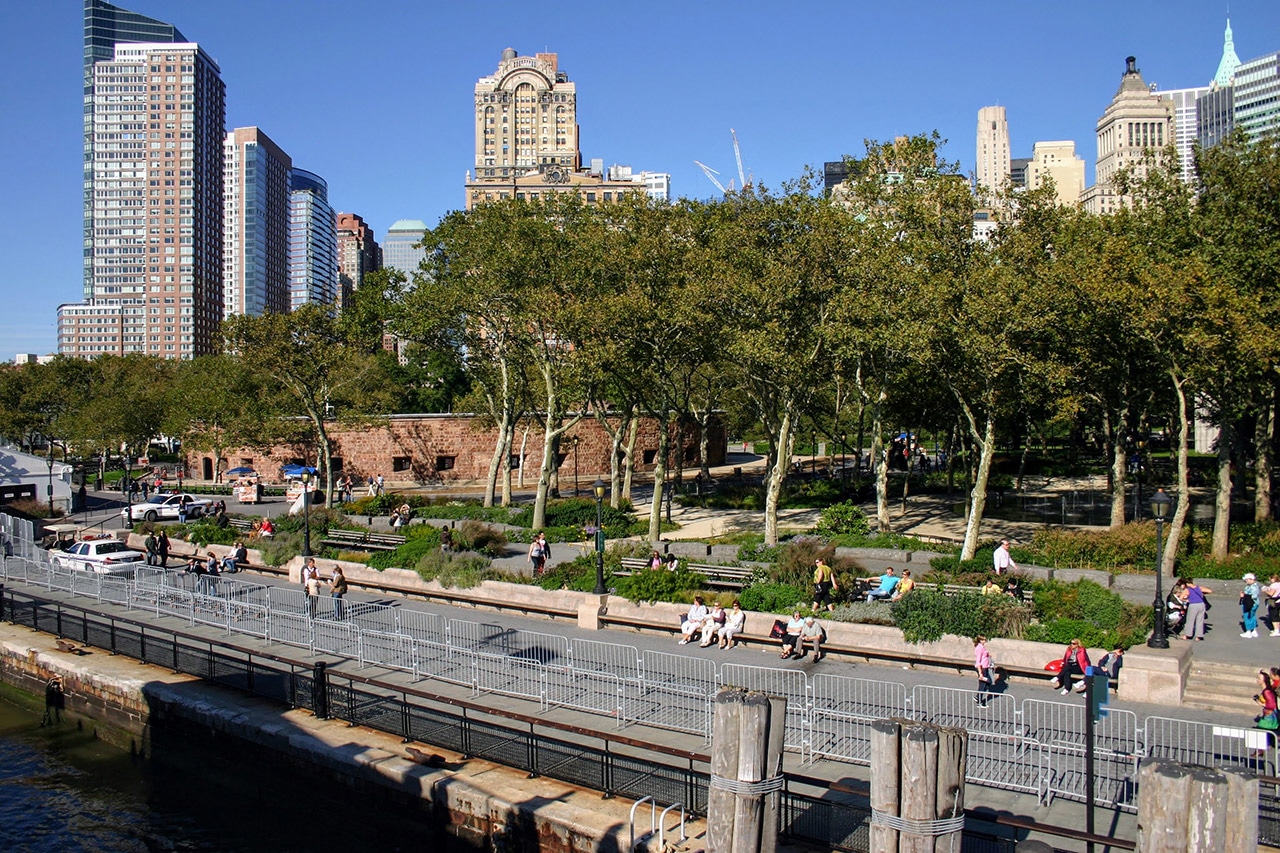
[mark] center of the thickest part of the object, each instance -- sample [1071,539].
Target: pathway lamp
[574,441]
[813,454]
[306,513]
[1160,503]
[600,490]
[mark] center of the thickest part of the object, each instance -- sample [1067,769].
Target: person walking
[1002,560]
[338,585]
[1271,596]
[162,549]
[537,557]
[1197,607]
[824,582]
[381,485]
[1250,599]
[372,486]
[182,509]
[150,545]
[986,670]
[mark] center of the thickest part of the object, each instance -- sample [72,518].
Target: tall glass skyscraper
[255,200]
[313,241]
[398,247]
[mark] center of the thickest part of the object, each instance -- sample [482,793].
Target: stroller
[1175,614]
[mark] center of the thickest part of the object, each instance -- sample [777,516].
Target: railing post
[2,602]
[320,691]
[58,620]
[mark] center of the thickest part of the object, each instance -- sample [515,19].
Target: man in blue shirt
[888,583]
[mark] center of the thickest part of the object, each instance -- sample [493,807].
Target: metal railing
[1030,746]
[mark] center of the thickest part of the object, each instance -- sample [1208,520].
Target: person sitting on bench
[888,583]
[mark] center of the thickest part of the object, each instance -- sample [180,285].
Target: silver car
[104,556]
[165,506]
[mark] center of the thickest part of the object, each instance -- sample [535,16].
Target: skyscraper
[255,258]
[1057,160]
[1185,130]
[398,247]
[1243,94]
[313,241]
[527,136]
[155,236]
[1135,124]
[357,254]
[993,166]
[105,26]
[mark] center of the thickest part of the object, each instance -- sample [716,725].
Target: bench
[363,540]
[245,524]
[718,577]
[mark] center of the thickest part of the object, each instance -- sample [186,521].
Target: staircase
[1223,687]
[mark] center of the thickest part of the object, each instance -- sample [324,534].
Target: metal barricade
[999,754]
[439,661]
[369,616]
[843,710]
[791,684]
[617,659]
[507,675]
[420,625]
[466,635]
[1246,749]
[293,629]
[335,637]
[594,692]
[394,651]
[674,691]
[1058,728]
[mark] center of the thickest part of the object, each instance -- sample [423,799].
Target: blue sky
[377,96]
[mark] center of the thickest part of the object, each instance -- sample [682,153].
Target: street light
[813,453]
[306,514]
[1160,511]
[127,485]
[844,446]
[574,442]
[600,489]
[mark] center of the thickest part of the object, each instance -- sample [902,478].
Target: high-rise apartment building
[105,26]
[1243,94]
[526,116]
[993,166]
[154,238]
[313,241]
[1136,123]
[358,254]
[255,199]
[399,247]
[1185,130]
[1018,170]
[1057,160]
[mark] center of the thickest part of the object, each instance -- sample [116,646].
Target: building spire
[1230,62]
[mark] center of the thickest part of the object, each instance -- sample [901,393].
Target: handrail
[662,825]
[653,816]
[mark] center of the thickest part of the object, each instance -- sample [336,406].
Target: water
[62,791]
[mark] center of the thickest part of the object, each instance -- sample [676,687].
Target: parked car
[165,506]
[104,556]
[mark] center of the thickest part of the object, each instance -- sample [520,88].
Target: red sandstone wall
[407,449]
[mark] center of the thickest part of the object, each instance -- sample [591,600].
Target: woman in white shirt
[733,626]
[693,620]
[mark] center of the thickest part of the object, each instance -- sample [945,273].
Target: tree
[305,355]
[217,403]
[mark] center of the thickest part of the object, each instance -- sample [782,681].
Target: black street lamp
[813,453]
[127,485]
[306,514]
[844,447]
[600,489]
[1160,503]
[49,494]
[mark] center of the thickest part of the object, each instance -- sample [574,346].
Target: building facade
[1136,123]
[399,247]
[105,26]
[156,245]
[526,120]
[1257,96]
[313,241]
[1057,160]
[255,199]
[993,159]
[358,254]
[1185,126]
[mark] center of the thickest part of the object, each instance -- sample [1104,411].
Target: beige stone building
[1137,122]
[527,136]
[993,159]
[1057,160]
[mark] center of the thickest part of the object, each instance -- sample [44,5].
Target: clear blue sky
[376,96]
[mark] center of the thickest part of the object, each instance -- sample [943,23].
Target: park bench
[245,524]
[718,576]
[363,540]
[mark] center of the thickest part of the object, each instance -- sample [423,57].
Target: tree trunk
[507,439]
[629,457]
[978,494]
[1169,558]
[499,451]
[1222,500]
[881,462]
[704,442]
[777,475]
[659,475]
[1263,436]
[326,456]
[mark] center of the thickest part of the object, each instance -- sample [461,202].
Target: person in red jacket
[1075,661]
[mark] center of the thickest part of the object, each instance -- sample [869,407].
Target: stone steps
[1222,687]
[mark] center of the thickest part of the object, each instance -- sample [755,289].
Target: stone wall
[409,450]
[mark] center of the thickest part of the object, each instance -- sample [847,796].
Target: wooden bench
[245,524]
[718,577]
[363,540]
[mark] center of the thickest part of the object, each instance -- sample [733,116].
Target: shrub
[577,513]
[925,615]
[862,612]
[1083,609]
[578,574]
[424,541]
[35,509]
[460,571]
[280,548]
[660,585]
[205,531]
[773,597]
[1127,546]
[477,536]
[842,519]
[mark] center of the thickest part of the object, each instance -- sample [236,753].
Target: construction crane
[711,173]
[711,176]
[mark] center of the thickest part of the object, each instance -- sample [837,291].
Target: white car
[103,556]
[166,507]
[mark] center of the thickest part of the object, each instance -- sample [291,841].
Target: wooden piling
[918,795]
[753,761]
[773,801]
[724,763]
[953,757]
[885,778]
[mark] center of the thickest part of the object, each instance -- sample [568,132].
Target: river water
[62,790]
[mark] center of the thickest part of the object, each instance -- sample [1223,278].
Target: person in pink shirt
[986,670]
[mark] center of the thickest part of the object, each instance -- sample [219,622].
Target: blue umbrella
[239,471]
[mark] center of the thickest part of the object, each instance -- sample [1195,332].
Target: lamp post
[127,486]
[306,514]
[844,446]
[599,488]
[813,453]
[49,493]
[575,441]
[1160,511]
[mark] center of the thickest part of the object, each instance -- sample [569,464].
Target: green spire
[1230,62]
